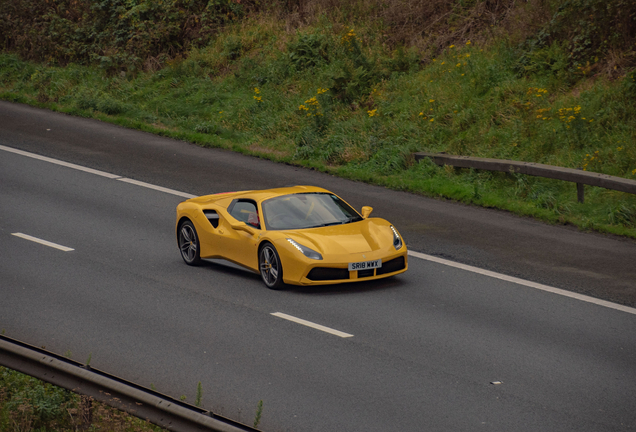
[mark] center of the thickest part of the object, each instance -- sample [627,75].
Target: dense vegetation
[28,404]
[354,87]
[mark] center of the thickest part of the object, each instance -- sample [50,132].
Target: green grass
[28,404]
[252,90]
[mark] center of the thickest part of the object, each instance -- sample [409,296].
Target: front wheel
[270,266]
[189,244]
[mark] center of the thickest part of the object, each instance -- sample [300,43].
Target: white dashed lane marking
[312,325]
[43,242]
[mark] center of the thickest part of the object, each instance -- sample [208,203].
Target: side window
[245,211]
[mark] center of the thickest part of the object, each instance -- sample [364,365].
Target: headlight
[309,253]
[397,241]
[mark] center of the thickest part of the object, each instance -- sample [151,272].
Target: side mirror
[366,211]
[242,226]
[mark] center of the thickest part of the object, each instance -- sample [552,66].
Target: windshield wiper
[332,223]
[341,222]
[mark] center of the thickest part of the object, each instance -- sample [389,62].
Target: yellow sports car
[299,235]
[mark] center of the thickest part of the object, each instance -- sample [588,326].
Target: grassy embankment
[28,404]
[354,90]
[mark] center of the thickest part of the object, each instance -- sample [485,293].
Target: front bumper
[334,270]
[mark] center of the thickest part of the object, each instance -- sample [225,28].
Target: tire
[189,246]
[270,267]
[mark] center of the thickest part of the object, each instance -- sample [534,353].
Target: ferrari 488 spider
[300,235]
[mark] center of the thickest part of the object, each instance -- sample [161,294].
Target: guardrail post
[86,413]
[580,191]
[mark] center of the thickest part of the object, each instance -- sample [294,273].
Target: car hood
[356,237]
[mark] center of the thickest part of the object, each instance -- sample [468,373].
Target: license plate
[365,265]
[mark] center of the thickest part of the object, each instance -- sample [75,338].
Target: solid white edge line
[523,282]
[155,187]
[59,162]
[43,242]
[312,325]
[96,172]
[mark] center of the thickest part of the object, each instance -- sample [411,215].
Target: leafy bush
[308,50]
[115,34]
[581,34]
[30,403]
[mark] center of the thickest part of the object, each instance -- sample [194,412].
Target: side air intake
[212,216]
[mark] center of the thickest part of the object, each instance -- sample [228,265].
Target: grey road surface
[426,345]
[597,265]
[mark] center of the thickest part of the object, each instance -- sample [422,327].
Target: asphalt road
[594,264]
[426,345]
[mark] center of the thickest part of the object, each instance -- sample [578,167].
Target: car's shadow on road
[228,268]
[348,288]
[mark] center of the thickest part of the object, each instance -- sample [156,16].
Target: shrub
[116,34]
[30,403]
[590,31]
[308,50]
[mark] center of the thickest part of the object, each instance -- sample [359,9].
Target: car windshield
[307,210]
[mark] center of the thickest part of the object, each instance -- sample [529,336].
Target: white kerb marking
[312,325]
[523,282]
[43,242]
[155,187]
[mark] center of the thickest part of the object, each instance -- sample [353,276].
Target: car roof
[257,195]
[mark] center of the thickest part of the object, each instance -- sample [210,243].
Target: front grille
[392,266]
[365,273]
[326,273]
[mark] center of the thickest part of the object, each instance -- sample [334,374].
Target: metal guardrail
[162,410]
[577,176]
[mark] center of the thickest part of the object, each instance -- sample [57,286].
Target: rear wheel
[270,266]
[189,244]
